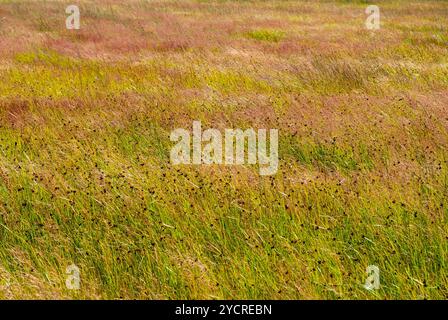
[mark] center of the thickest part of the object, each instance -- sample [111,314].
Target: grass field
[85,172]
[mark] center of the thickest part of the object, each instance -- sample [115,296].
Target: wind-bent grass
[85,176]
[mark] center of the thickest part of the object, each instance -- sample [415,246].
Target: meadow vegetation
[85,176]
